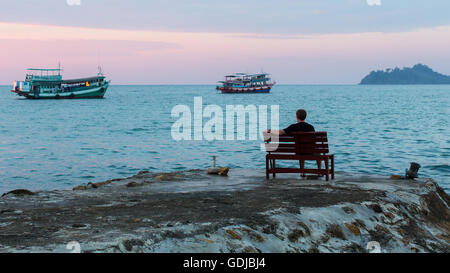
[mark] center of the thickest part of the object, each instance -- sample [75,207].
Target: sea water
[58,144]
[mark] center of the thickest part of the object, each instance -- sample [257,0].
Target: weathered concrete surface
[193,212]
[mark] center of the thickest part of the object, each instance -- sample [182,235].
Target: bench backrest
[300,143]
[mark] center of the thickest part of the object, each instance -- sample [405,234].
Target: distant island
[418,74]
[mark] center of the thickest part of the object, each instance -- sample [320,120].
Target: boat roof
[84,79]
[236,75]
[73,81]
[44,69]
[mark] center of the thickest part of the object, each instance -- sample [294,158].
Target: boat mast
[100,71]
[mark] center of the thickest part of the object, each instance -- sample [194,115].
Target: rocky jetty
[195,212]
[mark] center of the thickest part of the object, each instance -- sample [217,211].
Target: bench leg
[267,168]
[332,167]
[319,165]
[327,170]
[273,169]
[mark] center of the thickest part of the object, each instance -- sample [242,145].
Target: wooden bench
[301,147]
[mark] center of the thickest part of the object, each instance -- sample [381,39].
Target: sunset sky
[199,41]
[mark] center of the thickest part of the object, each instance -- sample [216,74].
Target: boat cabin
[50,81]
[243,80]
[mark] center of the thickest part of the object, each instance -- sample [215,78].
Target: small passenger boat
[48,84]
[246,83]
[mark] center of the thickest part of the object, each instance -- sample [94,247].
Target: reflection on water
[372,130]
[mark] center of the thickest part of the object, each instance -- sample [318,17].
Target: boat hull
[91,93]
[244,90]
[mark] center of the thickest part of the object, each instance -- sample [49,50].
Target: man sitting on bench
[300,126]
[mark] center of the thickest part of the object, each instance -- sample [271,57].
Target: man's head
[301,115]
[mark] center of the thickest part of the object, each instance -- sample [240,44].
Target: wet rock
[313,177]
[396,177]
[293,210]
[415,250]
[218,171]
[208,241]
[440,191]
[324,239]
[129,244]
[91,185]
[305,228]
[335,231]
[107,182]
[313,250]
[80,188]
[253,235]
[6,211]
[259,238]
[375,207]
[431,186]
[354,248]
[271,228]
[177,234]
[178,222]
[19,192]
[389,215]
[380,234]
[133,185]
[233,234]
[249,249]
[101,184]
[434,208]
[223,171]
[353,229]
[295,235]
[359,223]
[165,177]
[381,228]
[142,173]
[348,210]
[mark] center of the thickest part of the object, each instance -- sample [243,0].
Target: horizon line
[209,84]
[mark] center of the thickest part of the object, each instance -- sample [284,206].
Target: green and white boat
[48,84]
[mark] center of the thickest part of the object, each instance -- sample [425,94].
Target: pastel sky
[199,41]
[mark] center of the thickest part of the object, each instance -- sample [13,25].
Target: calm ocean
[48,144]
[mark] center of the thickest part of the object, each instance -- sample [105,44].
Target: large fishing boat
[246,83]
[48,84]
